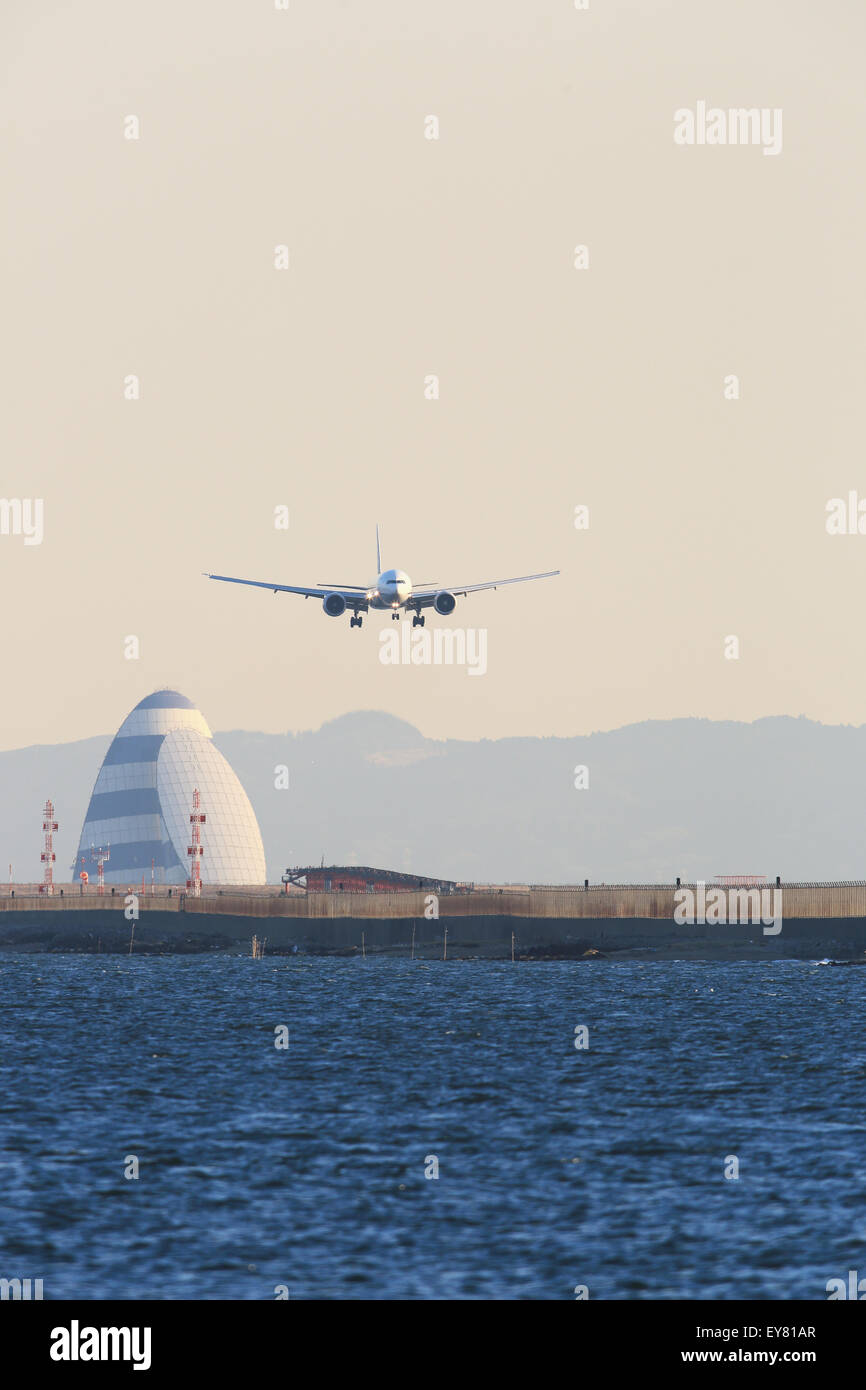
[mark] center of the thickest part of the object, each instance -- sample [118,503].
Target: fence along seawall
[653,902]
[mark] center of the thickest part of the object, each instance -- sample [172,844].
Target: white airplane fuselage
[391,590]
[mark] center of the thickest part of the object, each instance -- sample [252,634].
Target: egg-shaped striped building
[142,798]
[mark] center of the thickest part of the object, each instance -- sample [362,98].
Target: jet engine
[334,605]
[444,602]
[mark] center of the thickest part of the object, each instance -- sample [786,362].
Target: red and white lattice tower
[49,826]
[195,851]
[100,855]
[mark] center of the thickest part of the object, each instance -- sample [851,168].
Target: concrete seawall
[96,926]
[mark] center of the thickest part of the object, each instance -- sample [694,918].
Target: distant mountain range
[691,797]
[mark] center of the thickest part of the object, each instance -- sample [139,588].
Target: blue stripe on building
[136,855]
[134,748]
[136,801]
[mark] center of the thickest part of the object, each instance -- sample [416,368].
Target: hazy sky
[408,256]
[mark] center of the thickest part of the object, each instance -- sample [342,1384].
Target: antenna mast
[49,827]
[101,856]
[195,850]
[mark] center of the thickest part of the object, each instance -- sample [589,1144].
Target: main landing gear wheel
[355,622]
[417,621]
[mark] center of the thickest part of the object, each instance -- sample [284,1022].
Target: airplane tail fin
[378,552]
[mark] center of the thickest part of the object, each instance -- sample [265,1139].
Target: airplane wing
[423,598]
[355,596]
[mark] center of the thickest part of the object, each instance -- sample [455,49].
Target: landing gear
[395,617]
[417,621]
[356,621]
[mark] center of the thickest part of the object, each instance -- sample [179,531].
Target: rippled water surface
[305,1167]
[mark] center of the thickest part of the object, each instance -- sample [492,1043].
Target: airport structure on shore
[139,811]
[180,866]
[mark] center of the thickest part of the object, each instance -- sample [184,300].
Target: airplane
[392,590]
